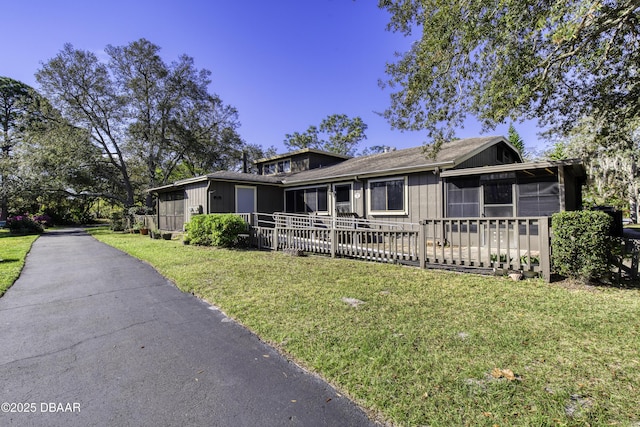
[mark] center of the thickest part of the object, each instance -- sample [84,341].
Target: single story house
[468,178]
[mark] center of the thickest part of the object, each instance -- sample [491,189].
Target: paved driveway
[91,336]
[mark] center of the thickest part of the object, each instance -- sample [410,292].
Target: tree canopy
[556,61]
[46,165]
[515,139]
[614,175]
[18,106]
[145,116]
[337,133]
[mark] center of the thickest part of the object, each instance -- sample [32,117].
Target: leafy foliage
[215,229]
[582,244]
[341,135]
[118,221]
[17,102]
[144,116]
[25,224]
[554,61]
[612,168]
[515,139]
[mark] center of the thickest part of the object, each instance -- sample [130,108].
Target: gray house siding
[222,197]
[270,199]
[195,201]
[474,177]
[497,154]
[423,199]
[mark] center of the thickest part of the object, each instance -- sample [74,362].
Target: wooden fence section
[518,244]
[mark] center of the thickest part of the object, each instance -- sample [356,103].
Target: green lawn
[13,250]
[427,347]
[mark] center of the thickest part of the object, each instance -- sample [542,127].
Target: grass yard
[427,347]
[13,250]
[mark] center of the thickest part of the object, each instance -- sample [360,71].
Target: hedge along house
[469,178]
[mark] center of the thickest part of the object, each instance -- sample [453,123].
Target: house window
[284,166]
[388,196]
[280,166]
[463,198]
[306,200]
[541,198]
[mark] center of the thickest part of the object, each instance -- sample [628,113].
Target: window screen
[538,198]
[306,200]
[463,198]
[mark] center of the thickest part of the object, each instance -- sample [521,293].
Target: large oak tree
[142,113]
[18,109]
[557,61]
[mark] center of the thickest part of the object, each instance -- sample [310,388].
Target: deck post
[545,248]
[422,245]
[274,240]
[333,237]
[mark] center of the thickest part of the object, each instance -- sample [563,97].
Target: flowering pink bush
[24,224]
[43,219]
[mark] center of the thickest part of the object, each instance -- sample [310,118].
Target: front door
[343,198]
[245,199]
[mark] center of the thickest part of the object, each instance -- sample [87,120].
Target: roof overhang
[575,164]
[301,151]
[212,177]
[369,174]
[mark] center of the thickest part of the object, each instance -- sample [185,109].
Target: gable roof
[223,176]
[301,151]
[407,160]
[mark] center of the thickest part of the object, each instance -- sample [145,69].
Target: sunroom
[532,189]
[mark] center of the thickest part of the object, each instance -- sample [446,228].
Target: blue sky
[284,64]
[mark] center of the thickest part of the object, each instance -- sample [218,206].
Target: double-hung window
[388,196]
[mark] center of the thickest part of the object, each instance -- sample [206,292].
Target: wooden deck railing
[519,244]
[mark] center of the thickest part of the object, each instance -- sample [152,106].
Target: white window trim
[405,211]
[328,188]
[255,195]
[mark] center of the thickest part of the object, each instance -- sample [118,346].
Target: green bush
[215,229]
[582,244]
[117,221]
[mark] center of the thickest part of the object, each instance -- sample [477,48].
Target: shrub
[24,224]
[43,219]
[117,221]
[582,244]
[215,229]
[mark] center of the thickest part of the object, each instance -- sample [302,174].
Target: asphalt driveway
[92,336]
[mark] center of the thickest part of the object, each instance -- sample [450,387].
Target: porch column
[561,192]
